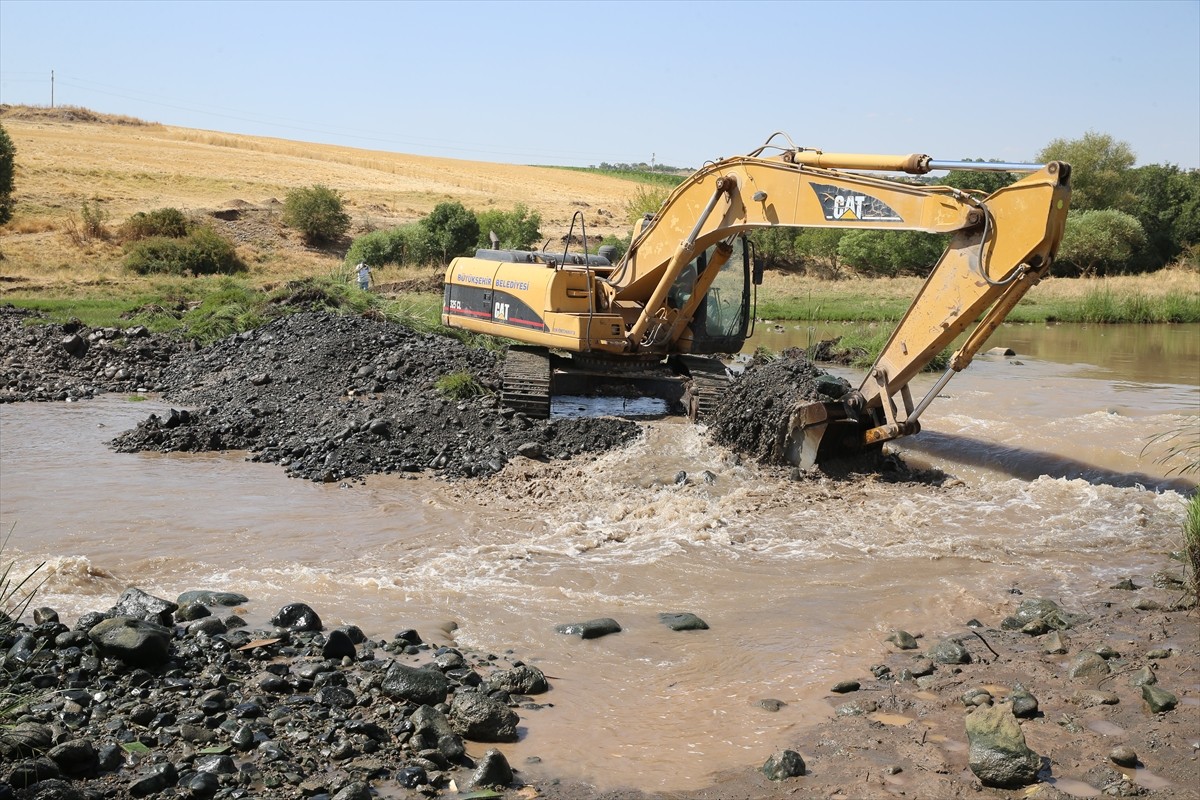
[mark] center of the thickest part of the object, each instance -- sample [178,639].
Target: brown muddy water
[799,581]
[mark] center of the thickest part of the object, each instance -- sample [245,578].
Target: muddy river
[798,581]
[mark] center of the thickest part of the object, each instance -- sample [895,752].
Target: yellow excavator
[683,290]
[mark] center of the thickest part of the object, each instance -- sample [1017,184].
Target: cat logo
[845,205]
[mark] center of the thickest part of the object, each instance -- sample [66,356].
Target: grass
[1167,296]
[459,385]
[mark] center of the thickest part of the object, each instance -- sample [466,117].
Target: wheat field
[121,166]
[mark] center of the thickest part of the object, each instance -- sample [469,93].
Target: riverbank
[153,697]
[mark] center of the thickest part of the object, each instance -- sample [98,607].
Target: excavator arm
[1000,247]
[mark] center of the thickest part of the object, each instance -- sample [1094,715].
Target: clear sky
[580,83]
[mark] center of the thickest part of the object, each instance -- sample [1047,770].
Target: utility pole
[52,88]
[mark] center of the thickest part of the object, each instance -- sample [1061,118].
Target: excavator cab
[724,320]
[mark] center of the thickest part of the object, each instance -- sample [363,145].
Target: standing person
[364,276]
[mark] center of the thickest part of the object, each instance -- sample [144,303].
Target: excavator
[655,318]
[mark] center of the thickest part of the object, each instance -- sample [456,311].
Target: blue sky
[579,83]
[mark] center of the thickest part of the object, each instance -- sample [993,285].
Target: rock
[420,686]
[137,604]
[190,612]
[949,651]
[592,629]
[770,704]
[856,708]
[297,617]
[493,771]
[1146,604]
[1123,756]
[518,680]
[903,640]
[1158,653]
[1001,351]
[43,615]
[783,765]
[76,758]
[482,718]
[338,646]
[75,345]
[1126,585]
[31,771]
[154,780]
[844,687]
[683,621]
[1158,699]
[432,731]
[133,641]
[1095,698]
[1055,644]
[1143,677]
[24,739]
[998,754]
[1088,665]
[1024,704]
[208,597]
[530,450]
[976,697]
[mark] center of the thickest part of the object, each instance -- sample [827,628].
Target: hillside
[68,157]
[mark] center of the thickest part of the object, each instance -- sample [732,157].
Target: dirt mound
[752,417]
[333,397]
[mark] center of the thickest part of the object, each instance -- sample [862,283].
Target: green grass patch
[820,307]
[668,179]
[829,303]
[459,385]
[863,345]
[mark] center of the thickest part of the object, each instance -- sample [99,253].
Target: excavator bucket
[822,432]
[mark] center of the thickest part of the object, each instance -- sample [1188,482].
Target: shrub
[647,200]
[316,212]
[516,229]
[452,230]
[92,223]
[889,253]
[202,252]
[169,222]
[408,244]
[8,156]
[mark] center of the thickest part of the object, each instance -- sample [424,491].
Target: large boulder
[133,641]
[481,718]
[432,731]
[135,603]
[519,680]
[999,756]
[420,686]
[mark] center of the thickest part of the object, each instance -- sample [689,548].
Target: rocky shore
[162,698]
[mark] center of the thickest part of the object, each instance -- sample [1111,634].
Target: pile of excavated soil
[328,396]
[334,397]
[753,416]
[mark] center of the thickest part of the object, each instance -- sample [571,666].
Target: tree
[987,182]
[891,252]
[1098,240]
[316,212]
[452,229]
[516,229]
[1099,170]
[8,156]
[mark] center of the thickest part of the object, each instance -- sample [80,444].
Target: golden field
[122,166]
